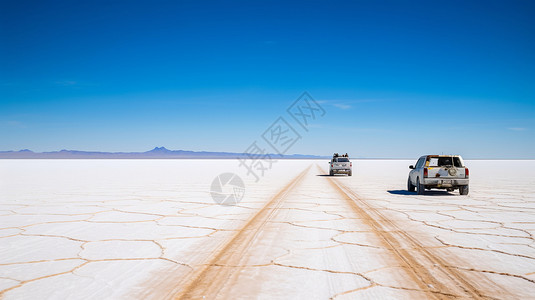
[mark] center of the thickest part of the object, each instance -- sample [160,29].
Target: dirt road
[316,238]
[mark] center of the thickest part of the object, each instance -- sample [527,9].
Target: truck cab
[439,172]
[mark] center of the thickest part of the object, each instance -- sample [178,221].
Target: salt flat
[93,229]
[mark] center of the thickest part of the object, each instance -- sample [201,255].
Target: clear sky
[396,78]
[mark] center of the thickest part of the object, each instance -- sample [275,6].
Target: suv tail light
[350,164]
[466,172]
[425,172]
[332,165]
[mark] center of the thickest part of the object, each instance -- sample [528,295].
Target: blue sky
[396,78]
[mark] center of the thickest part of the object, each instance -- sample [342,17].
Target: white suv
[340,164]
[439,172]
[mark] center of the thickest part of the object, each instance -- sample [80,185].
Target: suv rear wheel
[420,188]
[463,190]
[410,186]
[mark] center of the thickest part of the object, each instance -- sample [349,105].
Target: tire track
[211,277]
[430,272]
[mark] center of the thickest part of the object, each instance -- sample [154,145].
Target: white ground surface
[123,229]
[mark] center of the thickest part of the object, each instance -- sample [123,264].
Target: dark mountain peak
[159,150]
[26,150]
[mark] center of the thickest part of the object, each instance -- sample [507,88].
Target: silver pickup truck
[439,172]
[340,164]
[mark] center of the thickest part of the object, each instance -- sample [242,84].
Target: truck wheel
[420,188]
[463,190]
[331,173]
[410,186]
[350,173]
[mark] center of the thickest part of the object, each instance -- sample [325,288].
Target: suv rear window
[444,161]
[342,159]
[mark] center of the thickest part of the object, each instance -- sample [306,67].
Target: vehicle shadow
[427,193]
[401,192]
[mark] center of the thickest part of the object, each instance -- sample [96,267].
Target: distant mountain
[156,153]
